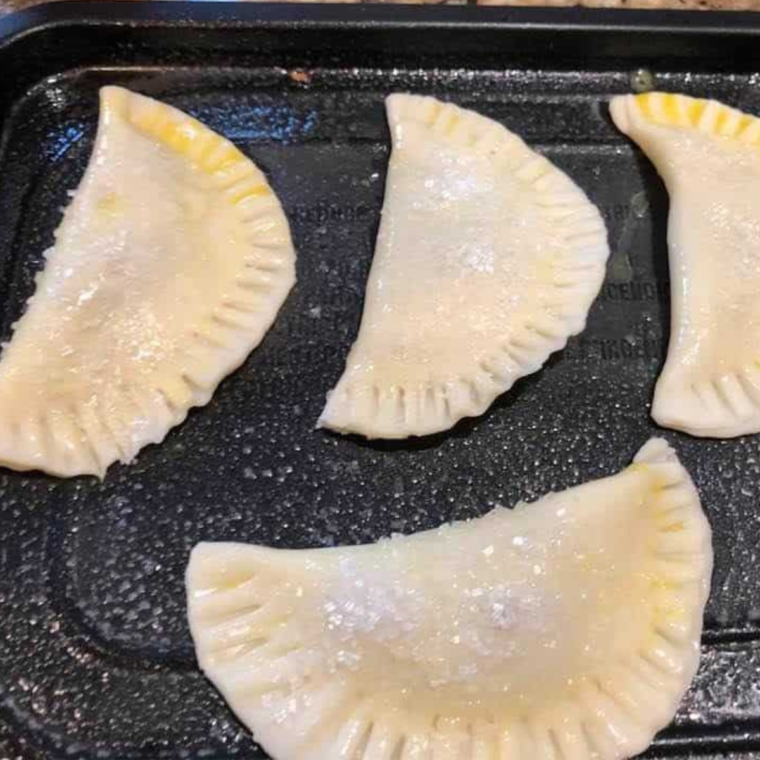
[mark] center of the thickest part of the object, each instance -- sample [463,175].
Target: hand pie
[487,259]
[568,628]
[170,265]
[709,157]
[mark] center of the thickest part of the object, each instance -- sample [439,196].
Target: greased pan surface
[95,657]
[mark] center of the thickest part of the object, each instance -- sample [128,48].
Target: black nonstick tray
[95,657]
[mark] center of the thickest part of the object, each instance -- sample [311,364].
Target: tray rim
[220,15]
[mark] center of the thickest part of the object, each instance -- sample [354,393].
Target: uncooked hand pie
[709,157]
[487,259]
[170,265]
[567,628]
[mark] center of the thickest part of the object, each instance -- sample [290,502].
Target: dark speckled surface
[95,656]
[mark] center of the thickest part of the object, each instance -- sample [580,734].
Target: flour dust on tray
[487,260]
[170,265]
[709,158]
[567,628]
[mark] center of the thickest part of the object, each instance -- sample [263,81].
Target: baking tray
[95,656]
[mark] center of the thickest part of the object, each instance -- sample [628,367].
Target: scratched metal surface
[95,656]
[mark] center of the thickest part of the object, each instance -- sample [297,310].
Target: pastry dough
[567,629]
[170,265]
[487,259]
[709,157]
